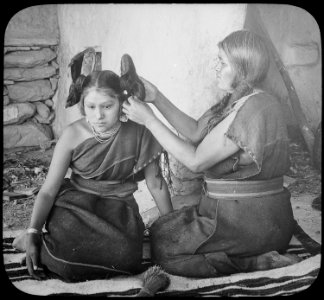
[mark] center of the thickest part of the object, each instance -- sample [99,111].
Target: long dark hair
[106,82]
[249,57]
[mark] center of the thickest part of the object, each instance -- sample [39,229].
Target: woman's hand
[32,255]
[151,91]
[138,111]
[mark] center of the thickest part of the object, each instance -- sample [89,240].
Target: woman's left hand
[137,111]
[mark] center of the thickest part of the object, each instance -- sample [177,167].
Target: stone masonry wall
[31,77]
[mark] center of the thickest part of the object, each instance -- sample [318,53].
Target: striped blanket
[283,281]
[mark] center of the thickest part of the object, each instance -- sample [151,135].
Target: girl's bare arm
[57,170]
[158,188]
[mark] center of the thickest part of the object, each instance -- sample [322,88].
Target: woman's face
[224,72]
[102,111]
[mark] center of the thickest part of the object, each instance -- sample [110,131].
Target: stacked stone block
[30,82]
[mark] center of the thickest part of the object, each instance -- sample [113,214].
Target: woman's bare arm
[184,124]
[214,148]
[158,188]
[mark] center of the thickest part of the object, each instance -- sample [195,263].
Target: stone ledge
[30,91]
[31,42]
[17,113]
[29,74]
[26,134]
[29,59]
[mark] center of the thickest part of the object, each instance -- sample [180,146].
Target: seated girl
[92,221]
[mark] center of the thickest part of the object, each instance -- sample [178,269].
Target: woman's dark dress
[222,236]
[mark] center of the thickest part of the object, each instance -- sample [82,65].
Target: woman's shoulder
[261,101]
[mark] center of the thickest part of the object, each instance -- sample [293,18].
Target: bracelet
[33,230]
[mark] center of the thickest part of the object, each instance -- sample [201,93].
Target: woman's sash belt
[235,189]
[104,188]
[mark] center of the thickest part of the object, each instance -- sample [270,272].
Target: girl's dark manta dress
[94,228]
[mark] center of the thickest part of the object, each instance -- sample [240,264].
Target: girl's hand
[151,91]
[137,111]
[32,255]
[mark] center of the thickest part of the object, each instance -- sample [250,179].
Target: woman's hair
[105,82]
[249,57]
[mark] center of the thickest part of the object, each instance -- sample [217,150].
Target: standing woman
[92,221]
[244,220]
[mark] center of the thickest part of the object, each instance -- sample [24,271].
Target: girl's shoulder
[75,127]
[80,124]
[76,132]
[133,127]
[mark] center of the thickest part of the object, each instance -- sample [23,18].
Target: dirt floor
[25,170]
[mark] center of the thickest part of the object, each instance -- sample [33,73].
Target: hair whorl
[75,91]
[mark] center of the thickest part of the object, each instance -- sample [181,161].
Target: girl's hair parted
[106,82]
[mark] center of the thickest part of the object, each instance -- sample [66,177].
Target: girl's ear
[122,117]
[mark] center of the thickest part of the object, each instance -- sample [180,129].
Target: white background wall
[172,45]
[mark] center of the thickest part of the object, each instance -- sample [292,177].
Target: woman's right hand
[32,254]
[151,91]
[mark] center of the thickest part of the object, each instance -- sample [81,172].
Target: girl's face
[224,72]
[102,111]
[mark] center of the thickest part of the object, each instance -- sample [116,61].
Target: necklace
[104,137]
